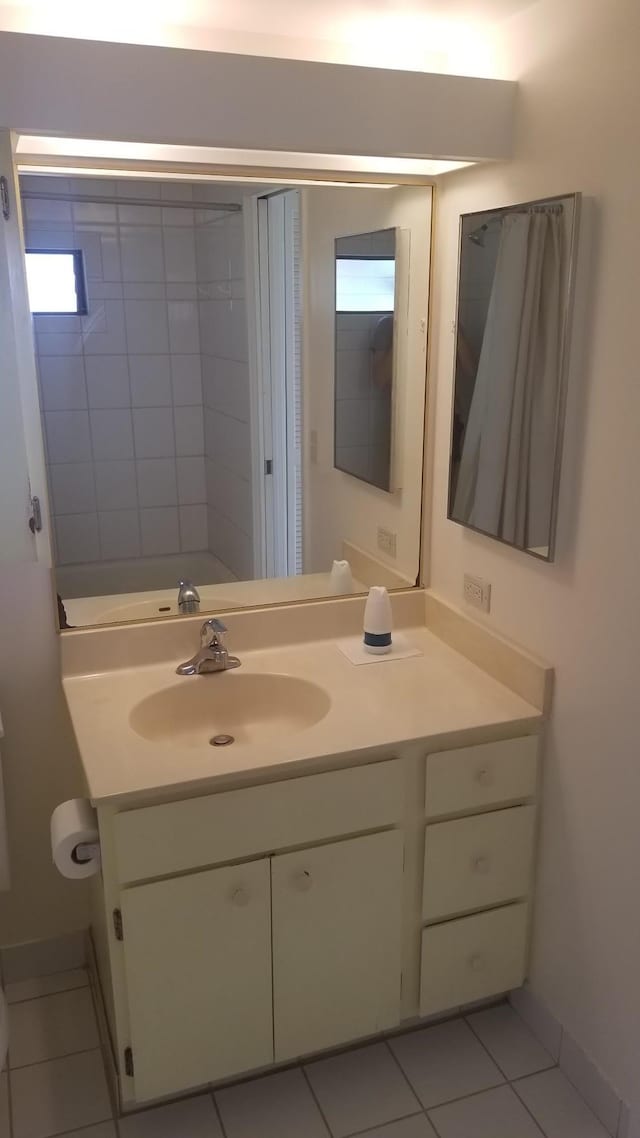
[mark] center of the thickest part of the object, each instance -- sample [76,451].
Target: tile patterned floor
[483,1076]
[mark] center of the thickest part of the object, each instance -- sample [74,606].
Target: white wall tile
[150,381]
[182,290]
[110,254]
[176,191]
[49,235]
[160,531]
[157,482]
[147,330]
[179,216]
[179,253]
[138,188]
[230,494]
[183,326]
[62,383]
[104,329]
[77,538]
[228,441]
[59,343]
[98,213]
[68,437]
[144,290]
[235,245]
[186,380]
[231,545]
[211,252]
[189,430]
[44,209]
[119,534]
[193,528]
[154,433]
[238,331]
[215,328]
[191,480]
[139,214]
[226,386]
[101,187]
[116,487]
[141,253]
[108,381]
[111,435]
[72,488]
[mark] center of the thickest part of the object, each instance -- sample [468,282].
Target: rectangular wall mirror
[188,413]
[364,346]
[515,288]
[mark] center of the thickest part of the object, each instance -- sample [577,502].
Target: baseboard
[579,1068]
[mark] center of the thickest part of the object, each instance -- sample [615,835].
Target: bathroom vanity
[318,881]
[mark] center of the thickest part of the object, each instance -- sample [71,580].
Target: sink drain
[221,740]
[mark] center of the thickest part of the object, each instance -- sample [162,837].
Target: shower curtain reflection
[506,471]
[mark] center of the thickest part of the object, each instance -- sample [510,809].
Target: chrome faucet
[212,656]
[188,597]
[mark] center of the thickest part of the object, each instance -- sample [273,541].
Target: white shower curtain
[505,481]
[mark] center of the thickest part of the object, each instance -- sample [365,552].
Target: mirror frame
[568,293]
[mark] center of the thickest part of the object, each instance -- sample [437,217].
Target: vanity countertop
[393,702]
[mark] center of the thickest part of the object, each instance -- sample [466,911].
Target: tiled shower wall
[121,388]
[225,379]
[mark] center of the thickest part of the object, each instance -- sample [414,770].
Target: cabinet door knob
[303,880]
[476,962]
[240,897]
[481,863]
[484,776]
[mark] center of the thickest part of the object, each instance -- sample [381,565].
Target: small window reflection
[55,281]
[365,284]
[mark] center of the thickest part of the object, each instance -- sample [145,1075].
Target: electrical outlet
[477,592]
[387,541]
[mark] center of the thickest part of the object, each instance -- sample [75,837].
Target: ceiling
[453,36]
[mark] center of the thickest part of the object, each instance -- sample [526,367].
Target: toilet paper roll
[74,824]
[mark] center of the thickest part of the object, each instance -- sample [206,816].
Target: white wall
[39,757]
[337,506]
[576,130]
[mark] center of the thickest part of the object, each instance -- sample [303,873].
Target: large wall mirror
[364,342]
[515,286]
[184,337]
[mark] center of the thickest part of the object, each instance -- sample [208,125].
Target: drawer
[176,836]
[475,862]
[473,958]
[471,778]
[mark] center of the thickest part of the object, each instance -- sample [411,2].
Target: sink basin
[250,707]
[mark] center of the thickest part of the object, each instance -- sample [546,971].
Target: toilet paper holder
[85,851]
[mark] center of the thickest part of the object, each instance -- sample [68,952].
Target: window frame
[80,279]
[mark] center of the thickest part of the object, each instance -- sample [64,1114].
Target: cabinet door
[197,955]
[336,942]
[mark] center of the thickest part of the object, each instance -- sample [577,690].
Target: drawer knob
[476,962]
[481,864]
[240,897]
[303,881]
[484,776]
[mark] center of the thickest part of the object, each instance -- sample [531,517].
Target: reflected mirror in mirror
[515,286]
[188,415]
[364,343]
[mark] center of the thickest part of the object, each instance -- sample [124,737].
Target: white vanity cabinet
[263,923]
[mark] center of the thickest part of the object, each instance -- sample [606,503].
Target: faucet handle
[212,633]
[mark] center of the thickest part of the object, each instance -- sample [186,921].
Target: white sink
[250,707]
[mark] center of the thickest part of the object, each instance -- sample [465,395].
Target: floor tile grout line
[55,1058]
[47,995]
[303,1069]
[390,1122]
[404,1074]
[520,1099]
[218,1113]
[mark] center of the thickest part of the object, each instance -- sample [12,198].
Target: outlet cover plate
[387,541]
[477,592]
